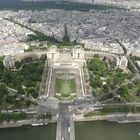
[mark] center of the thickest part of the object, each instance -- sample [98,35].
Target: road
[64,118]
[44,79]
[137,76]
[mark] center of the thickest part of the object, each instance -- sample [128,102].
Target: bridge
[65,124]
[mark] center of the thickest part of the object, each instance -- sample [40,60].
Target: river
[20,5]
[29,133]
[102,130]
[98,130]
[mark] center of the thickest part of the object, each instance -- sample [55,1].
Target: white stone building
[53,52]
[123,62]
[103,46]
[138,64]
[136,52]
[78,52]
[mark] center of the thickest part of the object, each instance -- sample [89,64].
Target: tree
[105,58]
[97,65]
[7,76]
[46,116]
[28,59]
[1,68]
[96,55]
[17,103]
[28,103]
[3,90]
[138,92]
[28,83]
[123,90]
[17,64]
[43,57]
[10,99]
[106,88]
[137,82]
[131,67]
[49,115]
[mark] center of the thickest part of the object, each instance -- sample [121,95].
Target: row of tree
[12,116]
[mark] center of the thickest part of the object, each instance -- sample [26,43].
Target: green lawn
[65,87]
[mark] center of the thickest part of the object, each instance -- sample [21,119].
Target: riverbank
[20,123]
[21,5]
[119,118]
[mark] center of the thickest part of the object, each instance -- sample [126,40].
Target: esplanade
[75,57]
[66,57]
